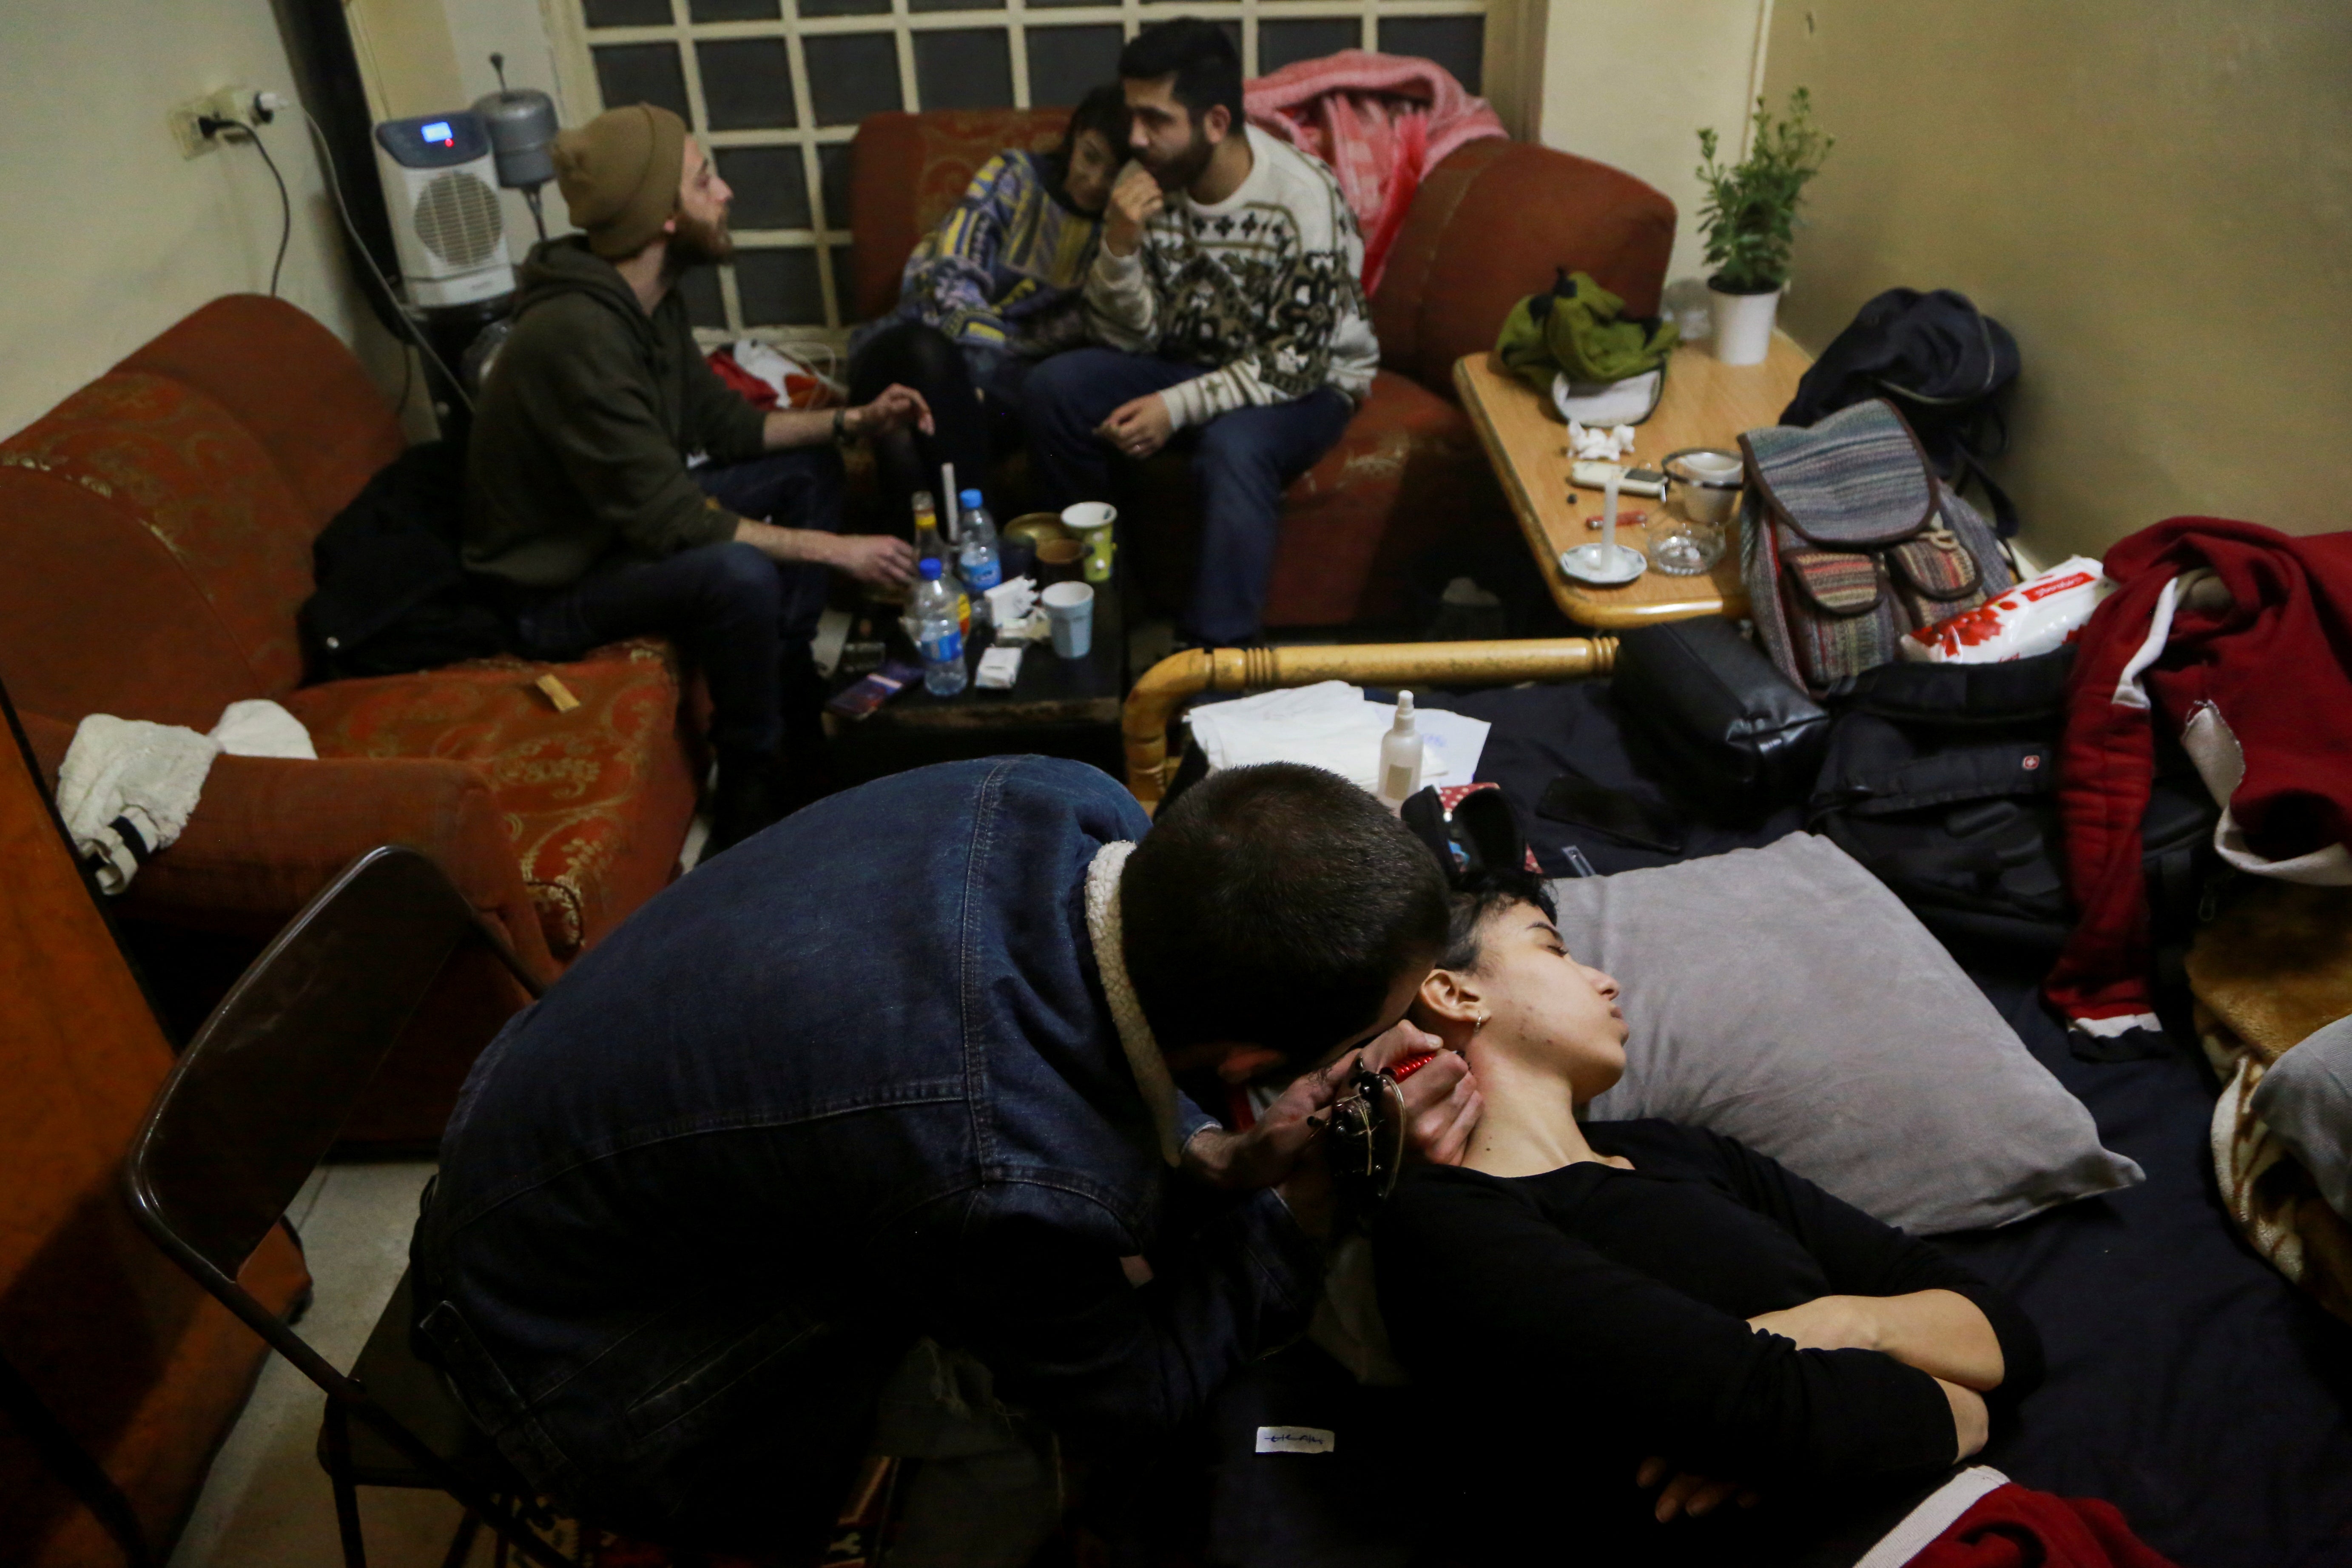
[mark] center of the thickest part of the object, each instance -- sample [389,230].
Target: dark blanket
[2189,1383]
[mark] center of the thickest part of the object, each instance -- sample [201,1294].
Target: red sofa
[1489,226]
[155,532]
[141,1370]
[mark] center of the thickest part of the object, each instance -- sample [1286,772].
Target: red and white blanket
[1382,121]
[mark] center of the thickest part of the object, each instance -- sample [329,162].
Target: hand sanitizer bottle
[1400,755]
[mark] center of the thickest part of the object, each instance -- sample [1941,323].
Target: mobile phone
[857,701]
[1646,475]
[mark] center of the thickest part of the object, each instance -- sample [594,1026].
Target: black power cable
[212,125]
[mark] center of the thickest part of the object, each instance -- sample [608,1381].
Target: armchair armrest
[269,832]
[1154,700]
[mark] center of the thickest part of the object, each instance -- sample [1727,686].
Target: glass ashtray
[1682,547]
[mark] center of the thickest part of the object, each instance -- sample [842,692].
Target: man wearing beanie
[620,488]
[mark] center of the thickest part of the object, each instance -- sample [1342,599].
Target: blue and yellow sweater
[1005,269]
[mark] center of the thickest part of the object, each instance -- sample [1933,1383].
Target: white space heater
[441,185]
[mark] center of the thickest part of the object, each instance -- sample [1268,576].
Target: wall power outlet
[239,104]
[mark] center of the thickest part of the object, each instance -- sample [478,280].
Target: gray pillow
[1782,996]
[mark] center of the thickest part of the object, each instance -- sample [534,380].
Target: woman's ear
[1449,1006]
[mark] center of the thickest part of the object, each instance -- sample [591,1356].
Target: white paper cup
[1070,612]
[1091,520]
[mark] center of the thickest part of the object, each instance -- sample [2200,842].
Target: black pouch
[1740,736]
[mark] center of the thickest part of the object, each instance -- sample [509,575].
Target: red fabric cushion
[96,614]
[180,465]
[292,384]
[597,799]
[1490,225]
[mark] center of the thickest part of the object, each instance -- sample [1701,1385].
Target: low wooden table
[1058,706]
[1707,403]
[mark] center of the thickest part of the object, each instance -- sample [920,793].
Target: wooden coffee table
[1707,403]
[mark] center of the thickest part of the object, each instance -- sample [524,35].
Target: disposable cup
[1070,612]
[1091,521]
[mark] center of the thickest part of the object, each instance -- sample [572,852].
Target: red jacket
[2259,690]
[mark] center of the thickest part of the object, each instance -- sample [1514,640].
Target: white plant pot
[1743,325]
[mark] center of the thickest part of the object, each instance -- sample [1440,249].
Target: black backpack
[1943,363]
[1942,780]
[393,595]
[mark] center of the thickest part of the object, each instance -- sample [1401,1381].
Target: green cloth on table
[1582,329]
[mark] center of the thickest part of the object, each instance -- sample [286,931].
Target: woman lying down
[1647,1344]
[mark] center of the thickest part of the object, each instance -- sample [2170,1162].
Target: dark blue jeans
[1241,461]
[743,619]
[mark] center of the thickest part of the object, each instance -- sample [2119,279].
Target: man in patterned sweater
[1226,292]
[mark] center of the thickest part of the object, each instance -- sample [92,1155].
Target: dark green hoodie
[581,434]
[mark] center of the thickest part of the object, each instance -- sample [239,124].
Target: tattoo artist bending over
[1631,1330]
[580,495]
[1228,292]
[863,1137]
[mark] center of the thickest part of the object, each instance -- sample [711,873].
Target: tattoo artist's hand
[1270,1153]
[1138,428]
[876,560]
[1133,201]
[894,406]
[1442,1103]
[1685,1493]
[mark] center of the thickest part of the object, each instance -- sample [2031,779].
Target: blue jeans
[1241,462]
[745,621]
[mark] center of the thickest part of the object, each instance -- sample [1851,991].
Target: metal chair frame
[212,1170]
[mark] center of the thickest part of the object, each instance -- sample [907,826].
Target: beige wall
[2156,198]
[1629,82]
[113,235]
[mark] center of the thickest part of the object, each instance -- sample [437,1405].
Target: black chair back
[258,1095]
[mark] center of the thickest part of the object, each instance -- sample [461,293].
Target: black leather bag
[1740,737]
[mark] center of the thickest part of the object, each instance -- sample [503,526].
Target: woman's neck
[1530,1123]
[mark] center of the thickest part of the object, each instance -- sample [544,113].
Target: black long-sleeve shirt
[1566,1325]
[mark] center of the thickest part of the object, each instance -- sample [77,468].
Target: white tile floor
[266,1503]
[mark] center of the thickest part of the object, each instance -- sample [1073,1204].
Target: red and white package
[2036,617]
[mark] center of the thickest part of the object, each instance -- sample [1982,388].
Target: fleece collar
[1143,1058]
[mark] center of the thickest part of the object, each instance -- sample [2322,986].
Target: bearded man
[619,488]
[1227,296]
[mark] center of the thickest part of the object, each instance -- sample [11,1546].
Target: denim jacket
[853,1082]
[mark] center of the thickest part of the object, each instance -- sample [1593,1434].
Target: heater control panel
[434,140]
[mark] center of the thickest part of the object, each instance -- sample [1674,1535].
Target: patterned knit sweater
[1260,290]
[1003,269]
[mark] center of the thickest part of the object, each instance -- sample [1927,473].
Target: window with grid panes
[775,89]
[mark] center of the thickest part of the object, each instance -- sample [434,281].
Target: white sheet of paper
[1333,725]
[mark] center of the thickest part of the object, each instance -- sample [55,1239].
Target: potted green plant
[1749,219]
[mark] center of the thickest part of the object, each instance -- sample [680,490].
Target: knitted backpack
[1848,539]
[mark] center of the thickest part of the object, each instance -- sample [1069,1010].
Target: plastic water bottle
[928,547]
[976,554]
[931,619]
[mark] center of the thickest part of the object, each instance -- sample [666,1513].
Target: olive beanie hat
[619,175]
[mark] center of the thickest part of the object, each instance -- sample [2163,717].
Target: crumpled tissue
[1590,442]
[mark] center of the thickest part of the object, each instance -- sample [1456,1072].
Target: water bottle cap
[971,500]
[929,569]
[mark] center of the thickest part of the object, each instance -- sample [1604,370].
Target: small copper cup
[1059,560]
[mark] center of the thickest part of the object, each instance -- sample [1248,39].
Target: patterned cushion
[200,483]
[597,799]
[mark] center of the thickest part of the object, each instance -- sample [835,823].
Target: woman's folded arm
[1489,1301]
[1925,1309]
